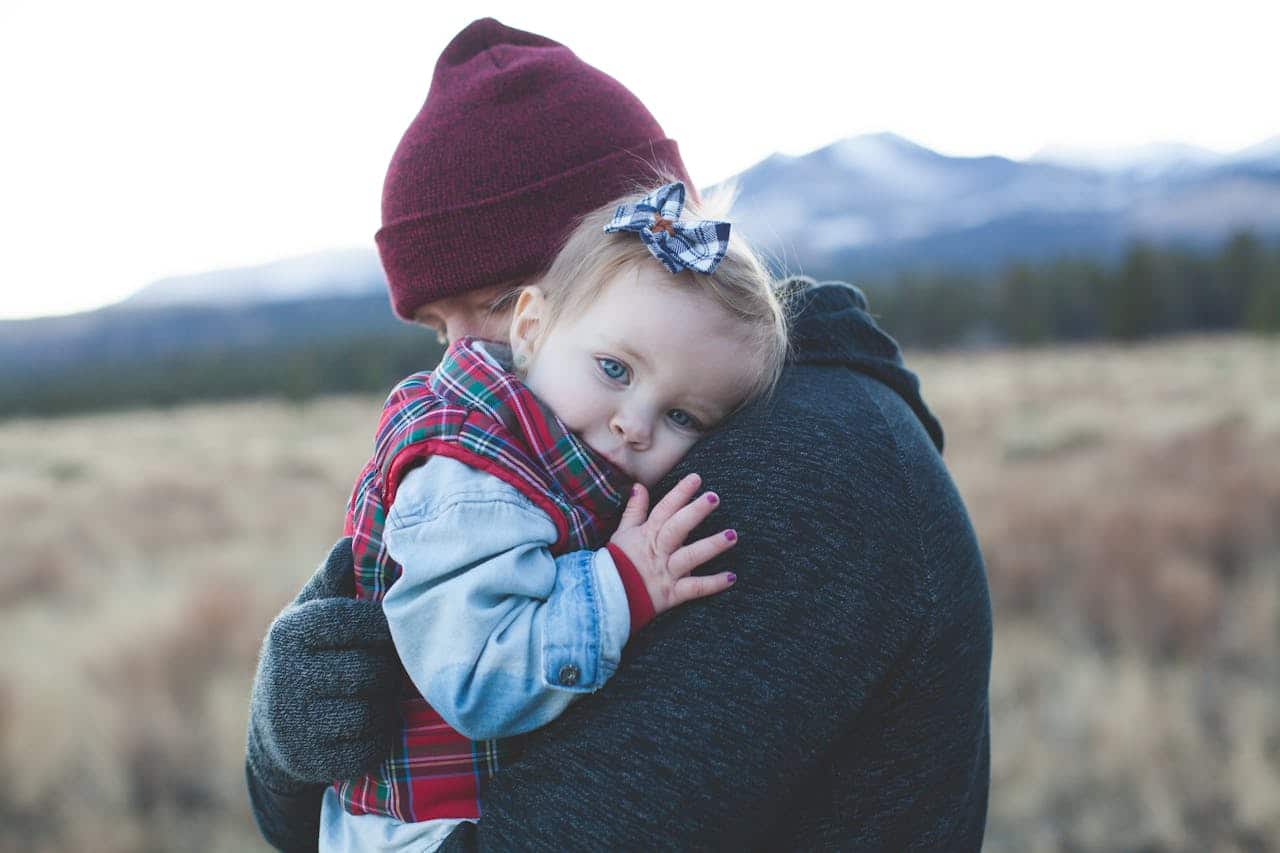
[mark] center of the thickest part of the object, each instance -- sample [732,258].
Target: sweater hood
[830,325]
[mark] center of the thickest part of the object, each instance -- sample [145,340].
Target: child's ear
[527,323]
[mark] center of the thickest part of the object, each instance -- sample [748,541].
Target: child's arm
[498,635]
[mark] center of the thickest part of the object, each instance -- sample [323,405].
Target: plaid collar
[477,374]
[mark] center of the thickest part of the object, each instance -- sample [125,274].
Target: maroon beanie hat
[518,139]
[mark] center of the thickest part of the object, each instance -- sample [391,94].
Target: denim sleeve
[496,633]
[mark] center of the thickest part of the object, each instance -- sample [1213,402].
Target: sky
[144,140]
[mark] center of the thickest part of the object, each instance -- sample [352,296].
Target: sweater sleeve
[288,821]
[497,634]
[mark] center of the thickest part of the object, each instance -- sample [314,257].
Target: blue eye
[614,369]
[684,420]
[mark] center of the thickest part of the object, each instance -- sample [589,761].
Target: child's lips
[613,460]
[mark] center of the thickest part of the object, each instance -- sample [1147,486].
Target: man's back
[837,697]
[912,768]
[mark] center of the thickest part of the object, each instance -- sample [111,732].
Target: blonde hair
[741,285]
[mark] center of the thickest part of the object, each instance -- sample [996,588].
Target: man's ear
[528,321]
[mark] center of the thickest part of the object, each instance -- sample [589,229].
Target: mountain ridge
[878,203]
[868,209]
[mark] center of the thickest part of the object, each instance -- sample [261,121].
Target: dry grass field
[1127,500]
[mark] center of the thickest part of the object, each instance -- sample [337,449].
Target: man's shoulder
[827,433]
[842,478]
[843,413]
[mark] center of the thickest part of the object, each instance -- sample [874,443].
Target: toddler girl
[497,477]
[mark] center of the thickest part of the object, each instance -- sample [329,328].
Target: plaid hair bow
[698,245]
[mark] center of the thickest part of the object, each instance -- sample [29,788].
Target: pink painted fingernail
[713,497]
[732,577]
[731,535]
[635,490]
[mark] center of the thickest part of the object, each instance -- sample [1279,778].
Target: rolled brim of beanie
[507,237]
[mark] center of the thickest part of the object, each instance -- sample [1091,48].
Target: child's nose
[632,429]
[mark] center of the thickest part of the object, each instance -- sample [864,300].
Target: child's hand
[654,545]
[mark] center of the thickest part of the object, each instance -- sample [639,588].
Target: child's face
[639,375]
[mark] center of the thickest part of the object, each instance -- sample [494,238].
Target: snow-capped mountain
[880,203]
[346,272]
[1151,159]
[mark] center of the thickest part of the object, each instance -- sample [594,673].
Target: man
[836,697]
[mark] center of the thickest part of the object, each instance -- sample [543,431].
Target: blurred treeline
[120,359]
[297,351]
[299,372]
[1150,291]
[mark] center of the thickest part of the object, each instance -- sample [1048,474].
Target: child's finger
[633,514]
[697,586]
[695,554]
[673,533]
[679,495]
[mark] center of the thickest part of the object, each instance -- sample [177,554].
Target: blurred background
[1069,216]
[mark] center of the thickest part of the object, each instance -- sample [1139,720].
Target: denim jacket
[486,621]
